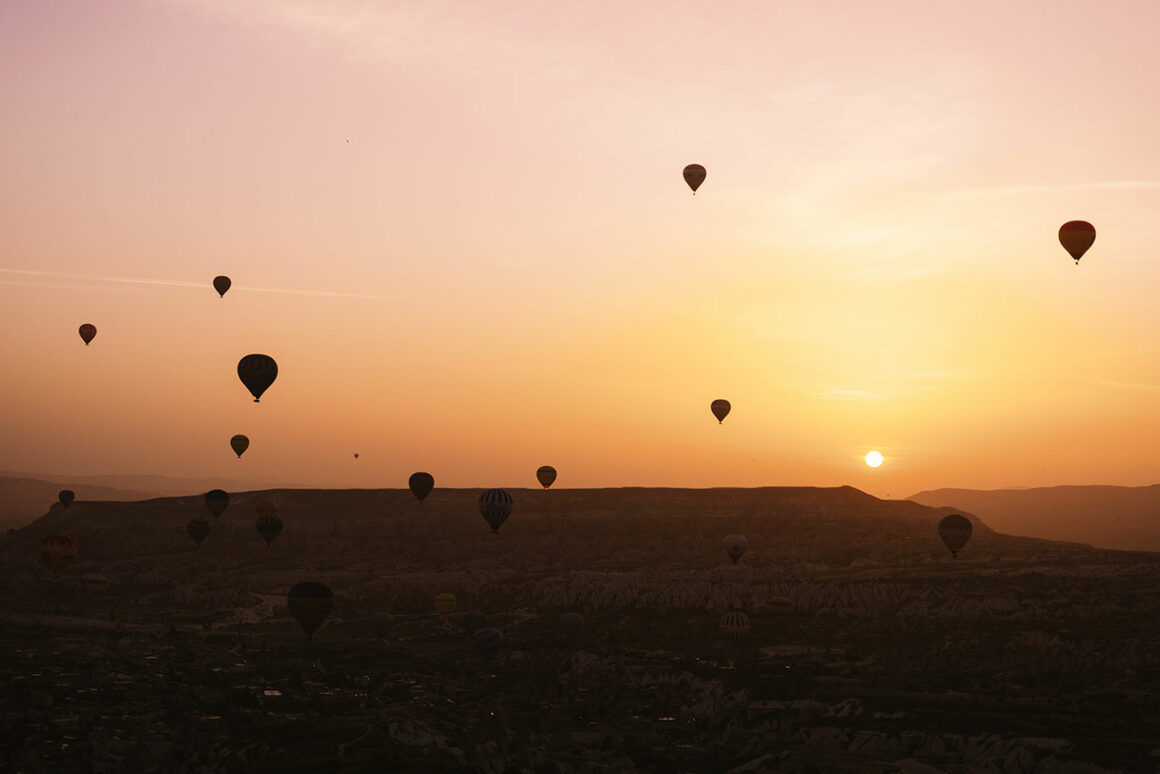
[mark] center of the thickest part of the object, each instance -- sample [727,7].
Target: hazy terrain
[1121,517]
[24,499]
[1023,655]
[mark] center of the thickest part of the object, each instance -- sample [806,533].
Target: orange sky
[502,268]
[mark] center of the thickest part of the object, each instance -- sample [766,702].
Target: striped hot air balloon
[735,623]
[257,372]
[486,641]
[310,602]
[445,603]
[58,551]
[1077,236]
[269,527]
[955,531]
[495,505]
[198,530]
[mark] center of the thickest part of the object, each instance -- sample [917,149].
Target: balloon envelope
[217,500]
[66,497]
[546,475]
[1077,236]
[735,546]
[445,603]
[310,602]
[421,484]
[239,443]
[257,372]
[58,551]
[720,409]
[955,530]
[495,505]
[269,527]
[781,606]
[694,175]
[735,623]
[486,641]
[88,332]
[198,530]
[221,284]
[571,624]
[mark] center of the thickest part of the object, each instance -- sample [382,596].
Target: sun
[874,459]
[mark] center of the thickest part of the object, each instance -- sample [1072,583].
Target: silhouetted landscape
[1020,655]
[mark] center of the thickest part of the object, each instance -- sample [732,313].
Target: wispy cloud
[62,277]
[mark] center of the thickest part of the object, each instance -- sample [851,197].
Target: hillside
[1125,518]
[159,486]
[24,499]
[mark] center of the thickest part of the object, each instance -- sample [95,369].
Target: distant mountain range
[1121,517]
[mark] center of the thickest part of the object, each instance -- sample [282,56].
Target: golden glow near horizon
[464,236]
[874,459]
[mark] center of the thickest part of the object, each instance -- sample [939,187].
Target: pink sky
[502,267]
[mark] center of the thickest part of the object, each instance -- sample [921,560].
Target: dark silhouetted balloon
[381,624]
[735,623]
[496,506]
[88,332]
[257,372]
[198,530]
[546,475]
[221,284]
[486,641]
[269,527]
[356,455]
[735,546]
[421,485]
[217,500]
[694,175]
[720,409]
[58,551]
[239,443]
[571,624]
[66,497]
[1077,236]
[955,531]
[310,602]
[474,621]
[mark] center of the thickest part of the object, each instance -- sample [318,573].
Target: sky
[462,232]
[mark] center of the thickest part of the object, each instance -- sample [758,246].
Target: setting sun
[874,459]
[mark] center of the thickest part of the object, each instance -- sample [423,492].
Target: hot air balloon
[381,624]
[474,621]
[780,606]
[96,584]
[955,531]
[221,284]
[546,475]
[58,551]
[310,602]
[571,624]
[88,332]
[1077,236]
[217,500]
[496,506]
[735,546]
[694,175]
[421,485]
[735,623]
[445,603]
[263,507]
[356,455]
[486,641]
[239,443]
[269,527]
[66,497]
[198,530]
[720,409]
[257,372]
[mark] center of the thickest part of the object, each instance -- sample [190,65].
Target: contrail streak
[186,284]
